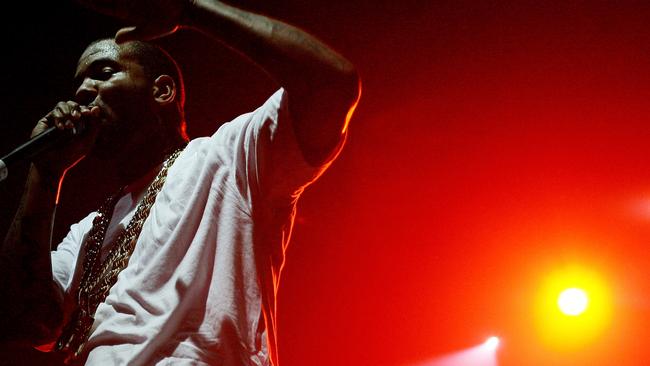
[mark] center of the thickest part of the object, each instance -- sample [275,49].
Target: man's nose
[86,92]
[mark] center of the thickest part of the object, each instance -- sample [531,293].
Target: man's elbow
[348,82]
[338,96]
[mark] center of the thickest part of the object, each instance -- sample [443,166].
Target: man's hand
[150,19]
[68,115]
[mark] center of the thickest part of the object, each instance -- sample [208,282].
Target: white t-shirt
[200,285]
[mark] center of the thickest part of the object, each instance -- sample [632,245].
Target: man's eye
[105,73]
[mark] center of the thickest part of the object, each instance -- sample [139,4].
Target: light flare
[573,308]
[573,301]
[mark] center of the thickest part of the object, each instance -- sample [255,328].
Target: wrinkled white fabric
[200,285]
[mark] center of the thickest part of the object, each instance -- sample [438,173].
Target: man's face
[109,77]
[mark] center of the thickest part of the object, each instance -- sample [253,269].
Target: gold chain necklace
[98,278]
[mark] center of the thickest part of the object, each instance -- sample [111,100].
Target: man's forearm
[293,57]
[26,279]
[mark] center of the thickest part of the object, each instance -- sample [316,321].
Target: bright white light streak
[492,343]
[482,355]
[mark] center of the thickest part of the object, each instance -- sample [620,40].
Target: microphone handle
[34,146]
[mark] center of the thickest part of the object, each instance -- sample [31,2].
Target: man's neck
[128,169]
[138,156]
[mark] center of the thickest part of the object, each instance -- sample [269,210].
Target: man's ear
[164,90]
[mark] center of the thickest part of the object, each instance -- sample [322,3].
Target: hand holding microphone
[55,131]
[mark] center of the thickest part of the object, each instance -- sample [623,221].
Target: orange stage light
[573,308]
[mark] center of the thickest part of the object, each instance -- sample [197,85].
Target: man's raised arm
[323,87]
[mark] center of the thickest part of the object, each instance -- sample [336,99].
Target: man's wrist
[4,172]
[45,178]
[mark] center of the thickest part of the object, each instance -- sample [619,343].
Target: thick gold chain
[97,278]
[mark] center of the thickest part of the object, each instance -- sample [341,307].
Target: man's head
[139,90]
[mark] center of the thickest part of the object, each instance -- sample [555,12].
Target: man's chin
[104,148]
[107,142]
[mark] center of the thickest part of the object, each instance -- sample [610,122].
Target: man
[180,266]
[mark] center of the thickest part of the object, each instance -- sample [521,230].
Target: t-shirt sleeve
[64,258]
[267,159]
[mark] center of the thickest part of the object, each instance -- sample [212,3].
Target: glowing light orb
[573,301]
[573,307]
[492,343]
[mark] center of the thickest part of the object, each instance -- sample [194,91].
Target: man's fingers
[66,114]
[127,34]
[142,33]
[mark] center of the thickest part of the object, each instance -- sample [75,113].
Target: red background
[493,142]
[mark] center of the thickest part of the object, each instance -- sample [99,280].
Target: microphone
[34,146]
